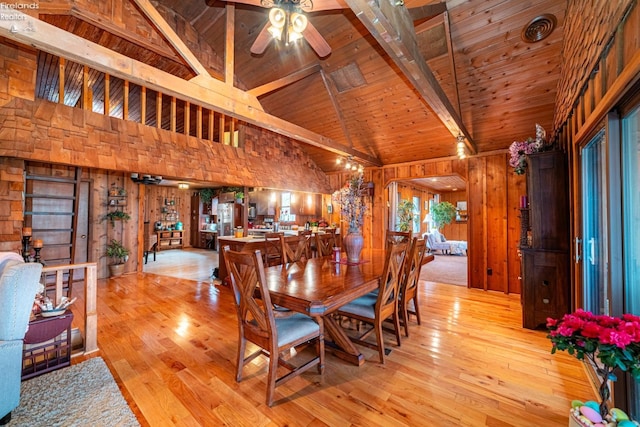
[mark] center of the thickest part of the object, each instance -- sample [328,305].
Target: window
[631,229]
[416,215]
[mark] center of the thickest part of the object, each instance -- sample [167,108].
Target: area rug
[81,395]
[448,269]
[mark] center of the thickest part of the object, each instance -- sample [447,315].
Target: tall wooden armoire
[545,254]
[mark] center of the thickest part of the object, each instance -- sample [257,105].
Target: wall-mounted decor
[461,211]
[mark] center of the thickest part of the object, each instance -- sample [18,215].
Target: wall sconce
[183,186]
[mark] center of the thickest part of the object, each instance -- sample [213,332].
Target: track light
[350,164]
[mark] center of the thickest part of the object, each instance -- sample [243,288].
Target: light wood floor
[171,345]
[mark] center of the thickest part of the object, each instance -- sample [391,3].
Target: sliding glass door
[594,225]
[631,229]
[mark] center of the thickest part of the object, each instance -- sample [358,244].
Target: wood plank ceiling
[499,85]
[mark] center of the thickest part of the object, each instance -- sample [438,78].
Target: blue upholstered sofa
[19,282]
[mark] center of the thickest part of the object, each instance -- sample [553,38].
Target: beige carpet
[449,269]
[78,396]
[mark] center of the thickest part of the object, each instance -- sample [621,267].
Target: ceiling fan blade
[316,41]
[251,2]
[262,41]
[319,5]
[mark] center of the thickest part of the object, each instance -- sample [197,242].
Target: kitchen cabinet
[265,206]
[311,204]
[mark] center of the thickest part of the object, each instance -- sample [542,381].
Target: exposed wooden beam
[331,89]
[219,97]
[158,21]
[452,62]
[285,81]
[392,27]
[429,24]
[427,11]
[229,45]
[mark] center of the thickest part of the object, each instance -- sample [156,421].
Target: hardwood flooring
[171,345]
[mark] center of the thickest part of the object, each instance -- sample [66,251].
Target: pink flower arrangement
[609,343]
[518,150]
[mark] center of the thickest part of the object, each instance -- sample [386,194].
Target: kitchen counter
[248,243]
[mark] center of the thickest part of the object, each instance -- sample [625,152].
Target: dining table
[318,287]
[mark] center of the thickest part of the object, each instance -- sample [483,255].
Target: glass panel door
[631,229]
[594,220]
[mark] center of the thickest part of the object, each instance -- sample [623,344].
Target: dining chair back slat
[259,323]
[272,254]
[295,248]
[409,282]
[325,243]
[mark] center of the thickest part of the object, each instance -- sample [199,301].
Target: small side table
[47,345]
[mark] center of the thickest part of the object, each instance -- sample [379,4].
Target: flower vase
[353,243]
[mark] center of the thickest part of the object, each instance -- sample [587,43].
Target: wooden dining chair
[295,248]
[325,243]
[409,282]
[259,324]
[272,254]
[374,308]
[398,237]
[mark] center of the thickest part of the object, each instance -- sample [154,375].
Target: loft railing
[90,316]
[76,85]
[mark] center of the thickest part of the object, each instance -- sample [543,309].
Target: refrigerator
[229,217]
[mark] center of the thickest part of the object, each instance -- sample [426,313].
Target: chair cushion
[295,327]
[363,306]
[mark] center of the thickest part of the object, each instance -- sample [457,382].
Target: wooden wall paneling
[11,211]
[516,187]
[444,167]
[460,167]
[477,245]
[140,224]
[378,208]
[631,28]
[101,227]
[496,223]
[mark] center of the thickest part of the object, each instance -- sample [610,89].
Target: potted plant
[117,216]
[239,196]
[610,344]
[119,255]
[405,215]
[206,195]
[443,213]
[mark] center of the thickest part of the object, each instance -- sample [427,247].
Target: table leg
[341,346]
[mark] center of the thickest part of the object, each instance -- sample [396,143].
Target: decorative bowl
[52,313]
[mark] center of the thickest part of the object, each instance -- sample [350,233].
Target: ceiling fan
[288,23]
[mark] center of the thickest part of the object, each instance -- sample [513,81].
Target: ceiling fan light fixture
[277,17]
[276,33]
[298,22]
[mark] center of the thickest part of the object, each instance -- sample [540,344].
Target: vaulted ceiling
[453,67]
